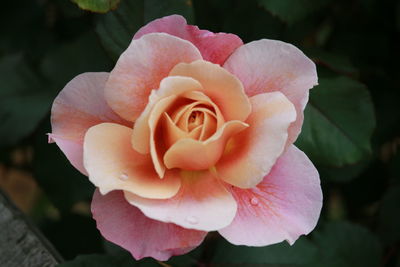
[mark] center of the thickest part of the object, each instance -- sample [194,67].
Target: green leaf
[343,174]
[342,244]
[99,6]
[154,9]
[338,123]
[117,28]
[302,252]
[389,216]
[24,101]
[63,63]
[291,11]
[335,62]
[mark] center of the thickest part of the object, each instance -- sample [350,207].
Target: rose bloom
[193,131]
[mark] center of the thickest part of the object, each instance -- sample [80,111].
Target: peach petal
[79,106]
[141,68]
[269,65]
[209,126]
[126,226]
[251,154]
[224,89]
[112,164]
[285,205]
[203,203]
[214,47]
[168,86]
[202,99]
[154,118]
[173,133]
[207,152]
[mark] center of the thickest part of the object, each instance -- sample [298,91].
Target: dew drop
[192,220]
[254,201]
[123,176]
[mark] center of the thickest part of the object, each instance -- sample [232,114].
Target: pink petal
[285,205]
[251,154]
[79,106]
[126,226]
[267,66]
[72,150]
[141,68]
[113,164]
[214,47]
[202,203]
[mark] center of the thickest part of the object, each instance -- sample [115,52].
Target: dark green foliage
[100,6]
[338,124]
[351,128]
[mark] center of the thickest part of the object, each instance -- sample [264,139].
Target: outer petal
[79,106]
[73,150]
[202,203]
[141,68]
[126,226]
[214,47]
[251,154]
[285,205]
[224,89]
[268,65]
[112,164]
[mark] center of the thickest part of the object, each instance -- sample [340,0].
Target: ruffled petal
[141,68]
[250,155]
[79,106]
[285,205]
[112,164]
[214,47]
[224,89]
[269,65]
[202,203]
[126,226]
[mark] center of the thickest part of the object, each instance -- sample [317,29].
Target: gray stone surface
[21,244]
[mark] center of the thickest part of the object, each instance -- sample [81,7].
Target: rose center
[196,119]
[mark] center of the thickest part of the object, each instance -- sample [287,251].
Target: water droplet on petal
[192,220]
[254,201]
[123,176]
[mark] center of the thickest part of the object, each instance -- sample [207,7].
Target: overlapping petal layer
[214,47]
[141,68]
[269,65]
[79,106]
[169,86]
[202,203]
[205,153]
[285,205]
[126,226]
[250,155]
[112,164]
[224,89]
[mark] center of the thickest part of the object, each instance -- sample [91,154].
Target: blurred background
[351,130]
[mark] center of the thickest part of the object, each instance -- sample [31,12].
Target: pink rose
[192,132]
